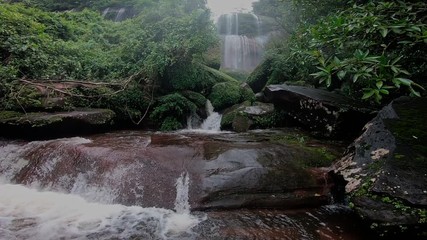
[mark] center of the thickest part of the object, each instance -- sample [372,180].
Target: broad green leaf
[415,92]
[384,32]
[404,81]
[384,91]
[328,81]
[368,94]
[379,84]
[356,76]
[341,74]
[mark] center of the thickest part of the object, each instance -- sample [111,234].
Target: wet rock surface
[324,113]
[386,167]
[244,116]
[226,170]
[43,125]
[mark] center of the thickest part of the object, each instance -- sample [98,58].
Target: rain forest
[213,119]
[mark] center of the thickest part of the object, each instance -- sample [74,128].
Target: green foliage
[290,14]
[171,111]
[361,50]
[225,95]
[246,94]
[196,98]
[271,120]
[163,46]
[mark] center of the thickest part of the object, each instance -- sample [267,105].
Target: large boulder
[259,77]
[244,116]
[257,169]
[58,124]
[386,168]
[324,113]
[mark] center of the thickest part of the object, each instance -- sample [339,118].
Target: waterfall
[213,121]
[31,214]
[119,16]
[104,13]
[181,202]
[211,124]
[242,49]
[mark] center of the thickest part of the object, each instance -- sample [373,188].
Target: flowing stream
[143,185]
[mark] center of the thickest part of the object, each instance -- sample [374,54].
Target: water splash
[212,124]
[30,214]
[213,121]
[181,202]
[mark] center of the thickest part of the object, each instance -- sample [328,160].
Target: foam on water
[30,214]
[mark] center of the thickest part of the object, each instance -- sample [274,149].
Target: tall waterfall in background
[242,41]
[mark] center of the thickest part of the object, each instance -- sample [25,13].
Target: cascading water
[243,43]
[55,213]
[213,121]
[211,124]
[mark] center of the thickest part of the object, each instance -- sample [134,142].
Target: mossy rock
[225,95]
[195,97]
[386,169]
[42,125]
[259,77]
[4,115]
[242,117]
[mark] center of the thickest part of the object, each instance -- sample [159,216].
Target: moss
[410,128]
[259,77]
[273,119]
[314,156]
[170,124]
[195,97]
[241,76]
[4,115]
[220,76]
[225,95]
[231,113]
[212,58]
[40,122]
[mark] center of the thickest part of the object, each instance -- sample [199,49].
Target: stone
[386,167]
[259,77]
[242,117]
[324,113]
[34,125]
[227,170]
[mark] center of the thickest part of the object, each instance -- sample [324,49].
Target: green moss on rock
[225,95]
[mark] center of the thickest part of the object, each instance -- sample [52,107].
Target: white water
[87,212]
[240,52]
[213,121]
[119,15]
[212,124]
[31,214]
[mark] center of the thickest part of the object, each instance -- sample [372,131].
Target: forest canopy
[373,50]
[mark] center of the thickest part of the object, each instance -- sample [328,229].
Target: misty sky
[219,7]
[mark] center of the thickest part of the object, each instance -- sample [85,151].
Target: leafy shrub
[196,98]
[361,50]
[171,109]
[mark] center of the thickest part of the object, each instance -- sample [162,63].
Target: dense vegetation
[62,55]
[374,50]
[135,67]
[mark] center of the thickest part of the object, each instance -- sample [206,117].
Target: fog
[219,7]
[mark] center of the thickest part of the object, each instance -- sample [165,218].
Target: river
[181,185]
